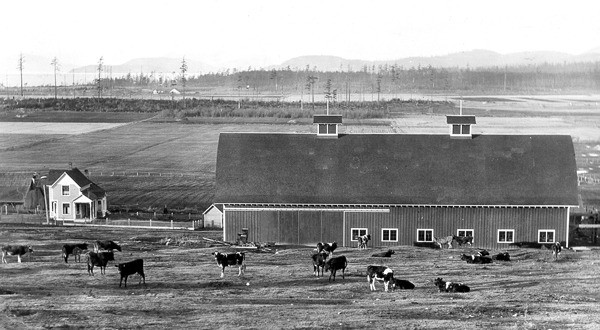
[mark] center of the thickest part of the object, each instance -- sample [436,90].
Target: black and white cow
[363,241]
[130,268]
[379,273]
[402,284]
[106,246]
[444,286]
[16,250]
[462,240]
[74,249]
[319,260]
[327,247]
[556,249]
[99,259]
[386,254]
[334,264]
[476,259]
[231,259]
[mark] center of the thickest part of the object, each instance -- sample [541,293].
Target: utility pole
[100,64]
[20,67]
[54,63]
[183,68]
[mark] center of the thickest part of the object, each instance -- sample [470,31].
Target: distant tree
[99,81]
[184,69]
[56,66]
[378,86]
[273,76]
[21,67]
[310,86]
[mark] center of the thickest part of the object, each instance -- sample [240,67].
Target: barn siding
[309,227]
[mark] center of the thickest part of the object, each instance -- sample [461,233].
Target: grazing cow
[556,248]
[130,268]
[503,256]
[231,259]
[379,273]
[99,259]
[386,254]
[476,259]
[332,265]
[15,250]
[450,286]
[402,284]
[106,246]
[363,240]
[74,249]
[441,241]
[327,247]
[319,260]
[461,240]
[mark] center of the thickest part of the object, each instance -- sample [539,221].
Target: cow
[386,254]
[450,286]
[231,259]
[327,247]
[402,284]
[319,260]
[461,240]
[99,259]
[476,259]
[130,268]
[334,264]
[503,256]
[363,240]
[556,248]
[16,250]
[106,246]
[379,273]
[441,241]
[69,249]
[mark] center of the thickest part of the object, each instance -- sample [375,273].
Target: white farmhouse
[72,196]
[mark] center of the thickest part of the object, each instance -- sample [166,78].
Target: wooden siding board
[288,227]
[310,227]
[332,227]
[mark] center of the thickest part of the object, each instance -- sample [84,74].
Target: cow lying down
[231,259]
[444,286]
[476,259]
[386,254]
[402,284]
[16,250]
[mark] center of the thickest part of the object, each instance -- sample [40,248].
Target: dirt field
[279,289]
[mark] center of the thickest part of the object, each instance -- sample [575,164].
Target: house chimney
[327,125]
[86,172]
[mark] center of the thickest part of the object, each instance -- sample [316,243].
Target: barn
[402,189]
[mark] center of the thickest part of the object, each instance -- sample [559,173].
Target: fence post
[128,222]
[171,224]
[150,222]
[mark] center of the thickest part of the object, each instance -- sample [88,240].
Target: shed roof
[460,120]
[396,169]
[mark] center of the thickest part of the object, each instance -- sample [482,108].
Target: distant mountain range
[472,59]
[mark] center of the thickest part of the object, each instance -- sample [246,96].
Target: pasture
[279,290]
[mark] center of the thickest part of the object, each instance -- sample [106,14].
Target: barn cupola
[460,126]
[327,125]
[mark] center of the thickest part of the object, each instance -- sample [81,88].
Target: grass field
[279,289]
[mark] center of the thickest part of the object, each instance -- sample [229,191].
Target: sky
[242,33]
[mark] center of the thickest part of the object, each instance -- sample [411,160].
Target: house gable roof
[396,169]
[86,185]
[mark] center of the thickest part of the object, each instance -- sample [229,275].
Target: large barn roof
[396,169]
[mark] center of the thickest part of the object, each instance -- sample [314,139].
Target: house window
[357,232]
[424,235]
[328,129]
[322,129]
[458,129]
[464,232]
[66,208]
[466,129]
[506,235]
[65,190]
[389,235]
[455,129]
[546,236]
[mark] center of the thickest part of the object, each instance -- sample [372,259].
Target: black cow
[334,264]
[386,254]
[16,250]
[327,247]
[476,259]
[231,259]
[69,249]
[402,284]
[130,268]
[319,260]
[363,240]
[556,248]
[450,286]
[99,259]
[106,246]
[380,273]
[503,256]
[461,240]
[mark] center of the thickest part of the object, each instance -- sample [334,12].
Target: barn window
[66,208]
[465,233]
[357,232]
[424,235]
[389,235]
[546,236]
[506,235]
[65,190]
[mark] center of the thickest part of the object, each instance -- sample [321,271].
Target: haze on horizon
[238,33]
